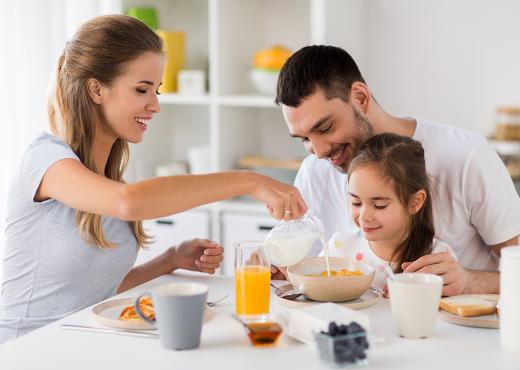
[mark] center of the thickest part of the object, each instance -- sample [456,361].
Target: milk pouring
[288,250]
[288,243]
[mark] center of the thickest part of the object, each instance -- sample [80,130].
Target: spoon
[261,333]
[243,323]
[289,293]
[389,271]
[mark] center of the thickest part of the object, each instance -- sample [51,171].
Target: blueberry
[342,330]
[348,357]
[351,342]
[354,327]
[361,341]
[333,328]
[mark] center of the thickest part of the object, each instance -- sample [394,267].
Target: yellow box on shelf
[174,48]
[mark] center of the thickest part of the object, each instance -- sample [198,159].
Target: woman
[73,226]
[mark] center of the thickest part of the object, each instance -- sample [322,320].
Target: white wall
[451,61]
[32,35]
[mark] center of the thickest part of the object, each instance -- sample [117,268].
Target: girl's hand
[443,264]
[197,255]
[283,201]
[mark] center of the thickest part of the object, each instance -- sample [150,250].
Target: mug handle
[138,310]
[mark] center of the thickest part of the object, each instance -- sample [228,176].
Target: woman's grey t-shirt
[50,271]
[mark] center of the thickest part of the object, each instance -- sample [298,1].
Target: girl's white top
[356,247]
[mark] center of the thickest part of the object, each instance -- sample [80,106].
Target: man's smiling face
[331,129]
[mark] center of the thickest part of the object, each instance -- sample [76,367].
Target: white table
[224,344]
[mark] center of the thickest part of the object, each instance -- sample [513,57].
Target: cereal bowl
[306,276]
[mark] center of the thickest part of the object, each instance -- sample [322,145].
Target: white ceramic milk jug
[288,243]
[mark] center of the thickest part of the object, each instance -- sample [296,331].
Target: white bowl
[334,288]
[264,81]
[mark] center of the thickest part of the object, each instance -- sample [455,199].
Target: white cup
[414,299]
[510,298]
[191,82]
[199,158]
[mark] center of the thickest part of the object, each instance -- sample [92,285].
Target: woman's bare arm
[71,183]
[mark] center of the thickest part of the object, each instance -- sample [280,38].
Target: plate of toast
[477,310]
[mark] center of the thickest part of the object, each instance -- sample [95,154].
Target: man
[327,104]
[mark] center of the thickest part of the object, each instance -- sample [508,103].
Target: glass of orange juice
[252,280]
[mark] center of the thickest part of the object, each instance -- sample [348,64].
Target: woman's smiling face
[130,101]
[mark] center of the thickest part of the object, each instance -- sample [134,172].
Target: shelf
[506,147]
[226,100]
[180,99]
[239,204]
[247,101]
[231,117]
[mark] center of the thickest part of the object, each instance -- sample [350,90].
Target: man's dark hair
[329,68]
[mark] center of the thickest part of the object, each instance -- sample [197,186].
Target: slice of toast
[469,305]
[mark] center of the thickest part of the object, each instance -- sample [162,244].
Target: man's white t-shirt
[475,203]
[356,247]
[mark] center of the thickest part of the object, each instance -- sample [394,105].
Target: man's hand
[456,278]
[197,255]
[278,273]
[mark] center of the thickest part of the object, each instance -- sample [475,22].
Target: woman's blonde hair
[98,50]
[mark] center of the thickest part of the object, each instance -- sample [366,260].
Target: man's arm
[487,281]
[498,247]
[457,279]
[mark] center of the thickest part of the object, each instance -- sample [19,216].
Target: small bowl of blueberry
[343,345]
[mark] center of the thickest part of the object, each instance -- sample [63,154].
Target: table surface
[224,344]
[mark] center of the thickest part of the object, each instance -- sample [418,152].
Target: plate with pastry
[121,314]
[477,310]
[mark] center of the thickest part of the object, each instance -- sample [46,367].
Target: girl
[73,226]
[390,204]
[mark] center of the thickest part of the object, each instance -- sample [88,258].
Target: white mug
[414,299]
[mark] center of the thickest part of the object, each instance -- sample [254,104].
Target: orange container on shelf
[175,53]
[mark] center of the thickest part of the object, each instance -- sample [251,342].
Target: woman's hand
[283,201]
[197,255]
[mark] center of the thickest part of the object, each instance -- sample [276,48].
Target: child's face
[375,208]
[131,100]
